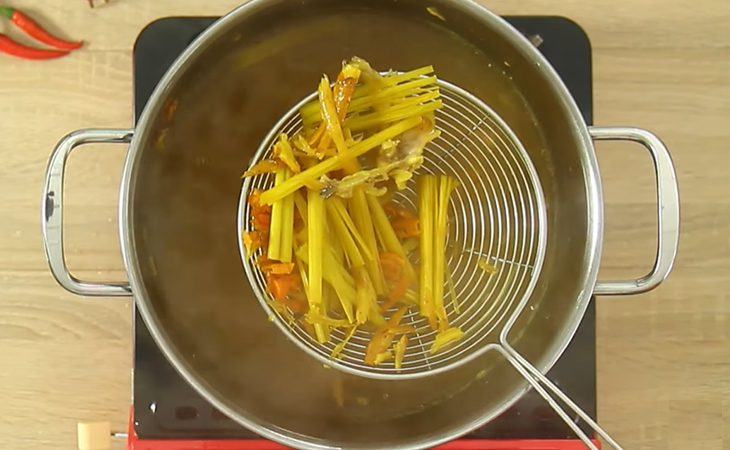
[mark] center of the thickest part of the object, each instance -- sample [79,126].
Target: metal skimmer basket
[496,215]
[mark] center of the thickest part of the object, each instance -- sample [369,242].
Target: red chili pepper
[35,31]
[13,48]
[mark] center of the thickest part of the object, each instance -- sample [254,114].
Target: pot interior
[202,129]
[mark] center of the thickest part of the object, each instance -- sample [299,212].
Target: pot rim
[594,209]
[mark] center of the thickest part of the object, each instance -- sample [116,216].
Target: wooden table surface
[663,357]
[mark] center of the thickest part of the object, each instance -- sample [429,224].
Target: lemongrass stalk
[345,294]
[390,115]
[302,266]
[426,215]
[419,97]
[287,228]
[452,292]
[400,351]
[390,80]
[409,87]
[395,78]
[315,237]
[342,233]
[301,204]
[329,260]
[445,338]
[392,93]
[364,224]
[336,276]
[338,251]
[412,97]
[395,105]
[339,207]
[314,318]
[312,108]
[285,153]
[362,303]
[381,243]
[383,96]
[444,185]
[387,234]
[329,114]
[341,346]
[325,331]
[277,216]
[335,306]
[344,289]
[366,304]
[336,162]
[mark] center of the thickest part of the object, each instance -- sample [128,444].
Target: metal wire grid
[496,213]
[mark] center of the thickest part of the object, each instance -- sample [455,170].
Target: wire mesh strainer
[497,214]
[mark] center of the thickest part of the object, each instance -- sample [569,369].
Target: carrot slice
[397,293]
[281,285]
[406,227]
[280,268]
[392,265]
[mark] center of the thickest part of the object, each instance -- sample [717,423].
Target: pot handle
[667,210]
[52,212]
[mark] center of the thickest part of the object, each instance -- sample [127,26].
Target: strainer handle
[551,394]
[52,212]
[667,210]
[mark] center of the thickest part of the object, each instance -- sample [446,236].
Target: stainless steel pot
[180,186]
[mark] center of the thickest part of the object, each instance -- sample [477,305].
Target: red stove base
[134,443]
